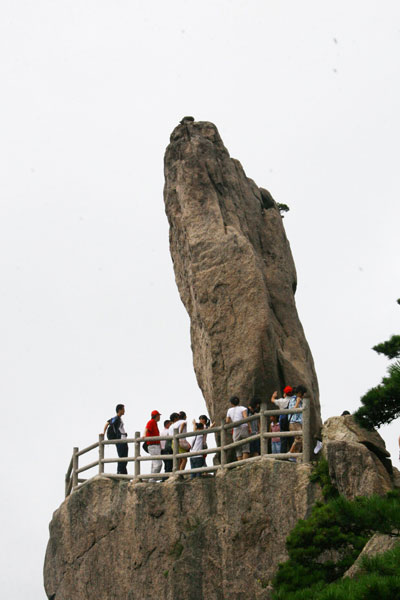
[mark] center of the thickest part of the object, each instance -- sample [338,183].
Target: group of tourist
[176,422]
[292,398]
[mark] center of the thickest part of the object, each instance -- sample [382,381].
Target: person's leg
[168,463]
[297,443]
[276,447]
[236,437]
[198,462]
[255,448]
[246,447]
[156,465]
[122,450]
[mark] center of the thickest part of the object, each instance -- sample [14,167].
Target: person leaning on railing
[296,420]
[241,432]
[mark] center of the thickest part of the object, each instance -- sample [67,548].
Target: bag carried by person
[113,432]
[145,448]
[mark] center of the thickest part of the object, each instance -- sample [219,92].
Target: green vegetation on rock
[322,548]
[321,475]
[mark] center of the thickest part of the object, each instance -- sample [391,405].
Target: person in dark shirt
[120,433]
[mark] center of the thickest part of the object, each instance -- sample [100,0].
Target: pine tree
[381,404]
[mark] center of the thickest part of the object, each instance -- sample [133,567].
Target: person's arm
[146,432]
[274,397]
[106,427]
[194,425]
[228,420]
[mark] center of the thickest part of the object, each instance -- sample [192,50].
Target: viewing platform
[74,480]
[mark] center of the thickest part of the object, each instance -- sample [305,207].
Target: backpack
[113,432]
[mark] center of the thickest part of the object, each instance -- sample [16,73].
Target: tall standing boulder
[235,274]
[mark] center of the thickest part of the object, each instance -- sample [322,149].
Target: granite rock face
[378,544]
[205,539]
[359,463]
[235,274]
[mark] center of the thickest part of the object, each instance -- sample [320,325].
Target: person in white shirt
[184,446]
[197,461]
[168,450]
[241,432]
[283,419]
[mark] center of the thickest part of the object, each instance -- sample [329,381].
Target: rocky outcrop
[378,544]
[203,539]
[359,463]
[235,274]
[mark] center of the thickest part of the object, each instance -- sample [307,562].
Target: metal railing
[73,481]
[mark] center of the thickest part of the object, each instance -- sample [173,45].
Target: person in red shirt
[153,446]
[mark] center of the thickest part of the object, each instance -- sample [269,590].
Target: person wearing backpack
[116,431]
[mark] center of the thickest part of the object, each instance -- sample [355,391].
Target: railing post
[67,480]
[175,450]
[223,442]
[263,429]
[75,467]
[306,430]
[137,454]
[101,453]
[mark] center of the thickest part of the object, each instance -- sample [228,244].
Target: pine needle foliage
[322,547]
[381,404]
[321,476]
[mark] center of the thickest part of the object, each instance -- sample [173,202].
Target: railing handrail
[73,482]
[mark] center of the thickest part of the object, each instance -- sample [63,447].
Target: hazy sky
[305,94]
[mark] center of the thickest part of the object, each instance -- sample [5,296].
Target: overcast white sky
[305,94]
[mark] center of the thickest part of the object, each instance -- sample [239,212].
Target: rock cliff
[211,538]
[214,538]
[235,274]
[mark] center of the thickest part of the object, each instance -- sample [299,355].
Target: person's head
[155,415]
[274,419]
[120,410]
[199,425]
[287,391]
[174,417]
[254,405]
[344,413]
[167,423]
[301,390]
[182,415]
[204,420]
[234,401]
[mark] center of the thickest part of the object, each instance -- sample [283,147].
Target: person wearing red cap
[153,446]
[283,419]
